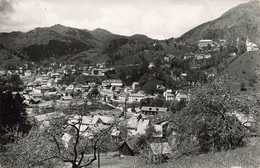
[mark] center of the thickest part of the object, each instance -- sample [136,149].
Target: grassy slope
[247,157]
[245,68]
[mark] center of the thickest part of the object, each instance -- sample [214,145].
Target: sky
[159,19]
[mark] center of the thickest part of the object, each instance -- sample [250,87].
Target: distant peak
[99,30]
[57,25]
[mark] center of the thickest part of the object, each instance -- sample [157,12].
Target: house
[32,109]
[205,43]
[65,139]
[115,134]
[122,96]
[137,125]
[50,82]
[112,82]
[43,120]
[67,98]
[161,129]
[250,46]
[97,72]
[48,105]
[168,95]
[135,86]
[126,148]
[36,95]
[158,119]
[136,97]
[147,110]
[180,96]
[106,94]
[151,66]
[56,75]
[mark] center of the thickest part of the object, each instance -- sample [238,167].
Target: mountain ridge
[241,21]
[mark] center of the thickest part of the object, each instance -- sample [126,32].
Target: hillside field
[246,69]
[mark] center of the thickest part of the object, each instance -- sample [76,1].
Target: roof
[160,148]
[129,143]
[136,95]
[88,120]
[115,133]
[104,119]
[48,116]
[158,118]
[37,94]
[66,138]
[182,96]
[67,97]
[149,108]
[158,131]
[142,125]
[206,40]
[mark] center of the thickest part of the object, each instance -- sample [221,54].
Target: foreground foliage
[212,120]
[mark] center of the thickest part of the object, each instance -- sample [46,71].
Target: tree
[47,148]
[210,122]
[15,80]
[155,102]
[13,113]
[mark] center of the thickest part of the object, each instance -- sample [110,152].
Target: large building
[205,43]
[146,110]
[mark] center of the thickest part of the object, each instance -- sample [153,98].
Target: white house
[250,46]
[180,96]
[169,96]
[136,97]
[205,43]
[151,66]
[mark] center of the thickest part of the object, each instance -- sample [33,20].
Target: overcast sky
[158,19]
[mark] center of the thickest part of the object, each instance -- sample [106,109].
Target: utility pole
[98,158]
[126,98]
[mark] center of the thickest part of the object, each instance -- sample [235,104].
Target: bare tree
[48,148]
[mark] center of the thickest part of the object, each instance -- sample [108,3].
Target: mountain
[9,60]
[47,42]
[104,35]
[58,41]
[241,21]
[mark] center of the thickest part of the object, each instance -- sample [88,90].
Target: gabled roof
[48,116]
[129,143]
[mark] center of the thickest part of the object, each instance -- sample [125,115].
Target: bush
[208,123]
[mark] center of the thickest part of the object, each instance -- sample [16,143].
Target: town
[88,94]
[74,95]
